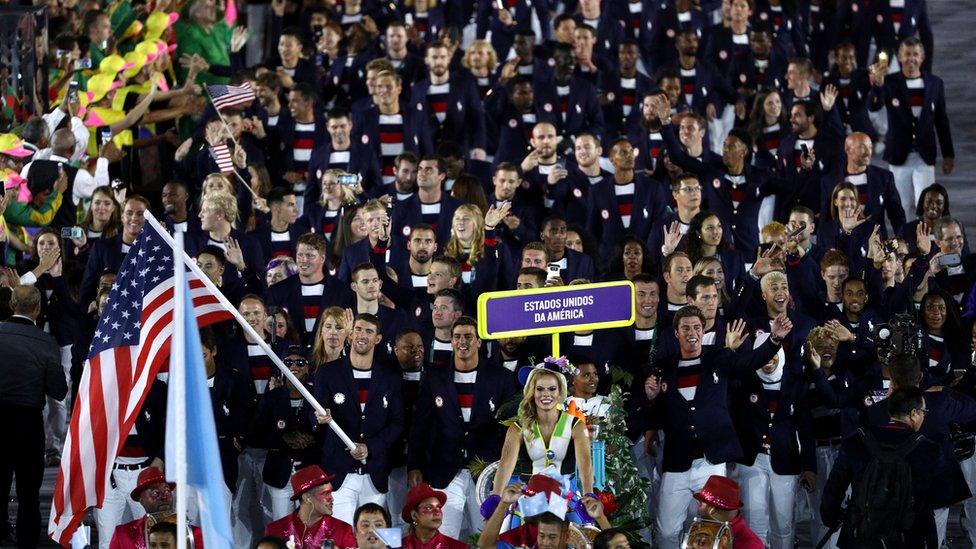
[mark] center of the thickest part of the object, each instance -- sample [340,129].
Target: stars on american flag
[149,265]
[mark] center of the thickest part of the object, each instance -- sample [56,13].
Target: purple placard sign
[555,310]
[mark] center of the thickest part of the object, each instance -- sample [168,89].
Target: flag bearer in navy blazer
[916,109]
[687,396]
[364,397]
[455,424]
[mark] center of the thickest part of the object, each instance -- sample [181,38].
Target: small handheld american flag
[221,155]
[226,97]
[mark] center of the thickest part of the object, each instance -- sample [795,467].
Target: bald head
[858,147]
[26,301]
[63,142]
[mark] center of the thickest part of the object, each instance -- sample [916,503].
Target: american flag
[131,344]
[221,155]
[225,97]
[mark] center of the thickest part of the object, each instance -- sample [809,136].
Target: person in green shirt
[202,36]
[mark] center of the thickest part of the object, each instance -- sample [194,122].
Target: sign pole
[555,345]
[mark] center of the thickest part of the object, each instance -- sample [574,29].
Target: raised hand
[495,214]
[672,235]
[828,97]
[922,239]
[782,325]
[735,334]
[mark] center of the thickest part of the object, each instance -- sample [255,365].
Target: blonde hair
[771,229]
[454,248]
[527,414]
[318,347]
[485,45]
[348,193]
[771,278]
[218,178]
[224,203]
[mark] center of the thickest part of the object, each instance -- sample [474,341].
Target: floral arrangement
[560,364]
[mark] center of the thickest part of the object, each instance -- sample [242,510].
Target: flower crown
[560,364]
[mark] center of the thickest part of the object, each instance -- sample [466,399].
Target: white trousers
[676,502]
[118,507]
[396,495]
[768,500]
[462,512]
[251,508]
[56,411]
[281,503]
[969,506]
[826,456]
[911,178]
[355,490]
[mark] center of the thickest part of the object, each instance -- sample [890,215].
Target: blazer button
[362,416]
[733,227]
[692,408]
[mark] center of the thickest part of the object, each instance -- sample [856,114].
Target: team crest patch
[438,401]
[610,96]
[895,102]
[338,398]
[753,398]
[742,78]
[365,139]
[512,123]
[605,214]
[281,424]
[716,183]
[670,33]
[880,18]
[764,16]
[406,231]
[420,106]
[723,55]
[577,193]
[547,107]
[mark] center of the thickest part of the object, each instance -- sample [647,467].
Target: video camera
[900,336]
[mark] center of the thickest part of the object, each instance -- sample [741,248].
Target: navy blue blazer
[288,294]
[464,122]
[407,214]
[718,193]
[584,113]
[416,137]
[905,133]
[232,398]
[254,259]
[509,131]
[362,161]
[440,443]
[105,254]
[603,216]
[945,407]
[378,426]
[262,236]
[791,443]
[705,421]
[274,418]
[286,135]
[880,196]
[851,461]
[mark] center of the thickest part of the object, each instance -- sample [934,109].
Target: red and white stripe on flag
[221,155]
[131,344]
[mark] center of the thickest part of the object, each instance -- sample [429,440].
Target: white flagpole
[254,335]
[177,376]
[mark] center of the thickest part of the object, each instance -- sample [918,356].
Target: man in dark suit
[916,115]
[31,370]
[364,398]
[455,424]
[907,408]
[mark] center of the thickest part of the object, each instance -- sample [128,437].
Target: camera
[950,260]
[83,64]
[71,232]
[349,179]
[901,336]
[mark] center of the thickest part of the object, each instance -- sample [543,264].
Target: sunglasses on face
[300,362]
